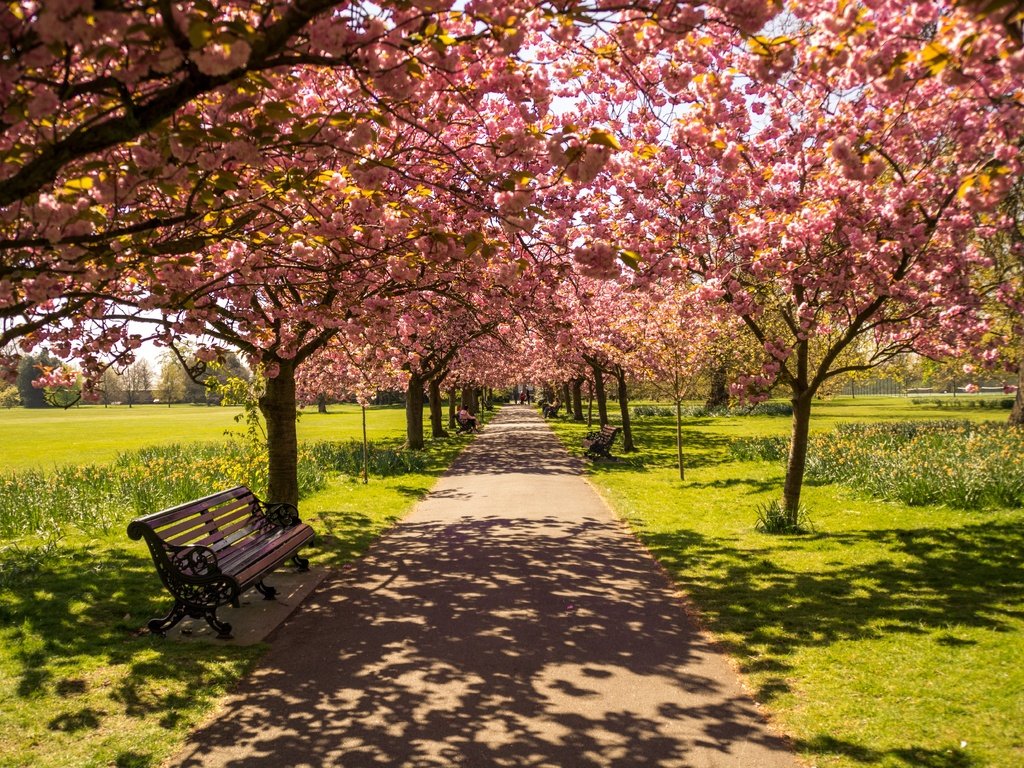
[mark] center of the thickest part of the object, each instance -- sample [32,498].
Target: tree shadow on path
[492,641]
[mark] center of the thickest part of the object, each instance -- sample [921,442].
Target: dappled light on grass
[81,685]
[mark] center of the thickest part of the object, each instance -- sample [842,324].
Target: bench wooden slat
[267,555]
[192,530]
[171,514]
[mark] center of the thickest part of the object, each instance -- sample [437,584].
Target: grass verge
[893,636]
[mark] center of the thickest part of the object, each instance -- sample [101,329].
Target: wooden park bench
[600,443]
[209,551]
[550,411]
[463,425]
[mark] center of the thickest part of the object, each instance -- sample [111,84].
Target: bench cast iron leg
[302,562]
[160,626]
[222,628]
[268,592]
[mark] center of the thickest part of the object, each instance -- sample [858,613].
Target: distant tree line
[142,382]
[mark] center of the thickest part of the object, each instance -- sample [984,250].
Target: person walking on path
[510,620]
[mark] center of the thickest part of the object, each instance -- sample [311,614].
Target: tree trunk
[599,393]
[1017,412]
[590,404]
[321,403]
[366,450]
[436,415]
[577,400]
[718,397]
[797,451]
[278,408]
[679,438]
[566,394]
[627,426]
[451,407]
[414,413]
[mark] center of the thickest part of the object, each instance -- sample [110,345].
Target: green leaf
[277,111]
[603,138]
[80,184]
[199,32]
[472,241]
[630,258]
[241,106]
[225,180]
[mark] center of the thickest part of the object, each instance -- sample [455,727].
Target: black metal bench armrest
[192,574]
[280,514]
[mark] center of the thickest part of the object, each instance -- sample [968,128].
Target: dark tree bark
[590,404]
[679,438]
[436,414]
[627,426]
[600,395]
[321,403]
[414,413]
[718,396]
[452,394]
[278,408]
[1017,412]
[797,450]
[566,395]
[577,400]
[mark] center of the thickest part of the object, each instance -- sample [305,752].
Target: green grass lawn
[894,636]
[48,437]
[79,684]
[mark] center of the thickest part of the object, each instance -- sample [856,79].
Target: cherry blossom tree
[674,337]
[834,208]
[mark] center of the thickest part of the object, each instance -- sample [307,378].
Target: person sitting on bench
[467,418]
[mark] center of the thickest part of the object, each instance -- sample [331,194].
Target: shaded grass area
[892,637]
[80,685]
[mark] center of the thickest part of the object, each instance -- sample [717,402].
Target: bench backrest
[216,521]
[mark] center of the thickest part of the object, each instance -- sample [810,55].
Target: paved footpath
[510,620]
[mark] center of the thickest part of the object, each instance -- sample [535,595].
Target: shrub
[643,411]
[100,497]
[347,458]
[760,448]
[993,403]
[703,412]
[963,465]
[761,409]
[771,409]
[772,517]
